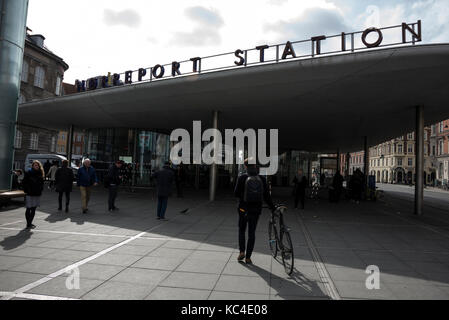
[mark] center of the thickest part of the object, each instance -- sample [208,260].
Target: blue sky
[96,37]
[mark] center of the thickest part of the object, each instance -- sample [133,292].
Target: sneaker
[85,211]
[31,226]
[67,209]
[241,256]
[159,218]
[248,261]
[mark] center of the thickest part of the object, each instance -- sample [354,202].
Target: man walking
[301,183]
[251,189]
[86,178]
[113,180]
[164,180]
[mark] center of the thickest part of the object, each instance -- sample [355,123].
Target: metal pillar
[213,168]
[69,146]
[13,14]
[419,153]
[366,159]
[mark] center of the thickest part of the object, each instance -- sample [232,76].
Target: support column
[213,167]
[338,161]
[366,159]
[69,146]
[13,15]
[348,156]
[419,153]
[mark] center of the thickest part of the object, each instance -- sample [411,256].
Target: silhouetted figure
[64,183]
[300,182]
[164,180]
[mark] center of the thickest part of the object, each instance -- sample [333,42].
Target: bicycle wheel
[273,238]
[287,251]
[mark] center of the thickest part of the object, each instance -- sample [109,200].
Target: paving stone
[112,290]
[134,250]
[141,276]
[202,266]
[7,262]
[358,290]
[222,295]
[413,292]
[190,280]
[170,253]
[10,280]
[31,252]
[59,287]
[243,284]
[124,260]
[168,293]
[98,271]
[159,263]
[69,255]
[40,266]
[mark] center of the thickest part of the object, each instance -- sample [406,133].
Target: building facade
[393,161]
[42,76]
[441,137]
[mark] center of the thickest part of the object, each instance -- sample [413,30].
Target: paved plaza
[129,254]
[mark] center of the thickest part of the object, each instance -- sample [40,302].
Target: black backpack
[253,189]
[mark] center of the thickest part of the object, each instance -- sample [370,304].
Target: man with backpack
[252,190]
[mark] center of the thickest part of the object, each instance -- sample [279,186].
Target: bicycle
[281,240]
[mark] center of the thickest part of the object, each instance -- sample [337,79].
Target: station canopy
[317,104]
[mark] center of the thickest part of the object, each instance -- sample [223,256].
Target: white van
[43,158]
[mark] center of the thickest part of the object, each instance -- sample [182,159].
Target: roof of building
[318,104]
[29,41]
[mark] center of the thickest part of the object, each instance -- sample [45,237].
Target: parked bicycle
[279,238]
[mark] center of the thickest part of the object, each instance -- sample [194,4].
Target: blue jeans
[161,206]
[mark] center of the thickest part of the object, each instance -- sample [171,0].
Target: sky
[101,36]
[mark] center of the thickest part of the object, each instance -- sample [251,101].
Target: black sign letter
[262,49]
[415,35]
[128,77]
[318,43]
[161,73]
[374,44]
[237,53]
[142,73]
[288,50]
[116,79]
[195,64]
[175,68]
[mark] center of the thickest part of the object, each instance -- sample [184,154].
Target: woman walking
[64,183]
[33,184]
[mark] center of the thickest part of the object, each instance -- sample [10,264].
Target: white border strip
[31,296]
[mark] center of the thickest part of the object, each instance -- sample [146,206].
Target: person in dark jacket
[252,190]
[86,179]
[63,184]
[164,180]
[33,184]
[300,182]
[337,187]
[113,181]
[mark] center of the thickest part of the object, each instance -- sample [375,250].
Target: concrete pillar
[338,160]
[213,167]
[366,159]
[69,146]
[419,153]
[348,155]
[13,14]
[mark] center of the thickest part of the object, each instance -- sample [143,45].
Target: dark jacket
[300,185]
[86,177]
[33,182]
[64,179]
[337,182]
[113,175]
[164,180]
[239,192]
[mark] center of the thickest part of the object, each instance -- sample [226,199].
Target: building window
[34,141]
[53,144]
[410,136]
[399,161]
[441,126]
[24,71]
[410,148]
[79,138]
[39,77]
[433,150]
[18,140]
[440,147]
[399,148]
[58,86]
[410,162]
